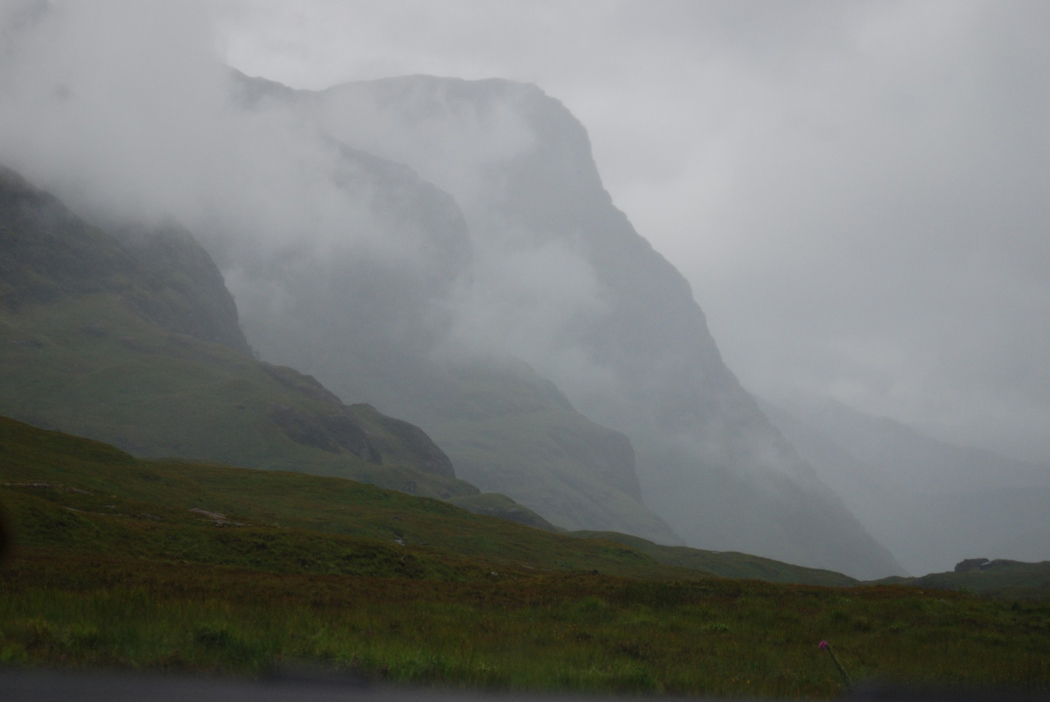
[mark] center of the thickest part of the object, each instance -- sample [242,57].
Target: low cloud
[854,190]
[125,111]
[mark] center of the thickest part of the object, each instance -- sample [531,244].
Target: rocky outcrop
[970,564]
[301,383]
[414,440]
[329,432]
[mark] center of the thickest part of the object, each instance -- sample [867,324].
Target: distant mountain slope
[559,278]
[906,454]
[998,578]
[931,503]
[134,340]
[511,431]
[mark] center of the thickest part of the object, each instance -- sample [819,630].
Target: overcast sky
[859,192]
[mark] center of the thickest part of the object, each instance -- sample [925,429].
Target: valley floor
[553,631]
[132,565]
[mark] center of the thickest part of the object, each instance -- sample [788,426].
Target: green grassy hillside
[91,366]
[81,496]
[68,493]
[726,564]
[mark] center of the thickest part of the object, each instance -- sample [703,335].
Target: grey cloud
[123,107]
[856,191]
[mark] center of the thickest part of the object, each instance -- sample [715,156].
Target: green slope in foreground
[79,495]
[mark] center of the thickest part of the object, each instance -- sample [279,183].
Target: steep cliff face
[376,319]
[560,279]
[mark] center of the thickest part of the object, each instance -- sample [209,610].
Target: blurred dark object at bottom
[313,686]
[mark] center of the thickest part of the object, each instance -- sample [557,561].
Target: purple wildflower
[825,646]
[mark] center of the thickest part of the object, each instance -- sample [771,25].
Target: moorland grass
[568,631]
[114,569]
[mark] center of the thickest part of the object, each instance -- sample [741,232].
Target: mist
[853,195]
[899,276]
[853,191]
[165,137]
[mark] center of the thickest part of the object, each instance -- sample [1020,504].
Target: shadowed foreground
[58,687]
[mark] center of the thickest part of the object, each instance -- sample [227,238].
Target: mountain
[133,339]
[547,281]
[367,306]
[932,503]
